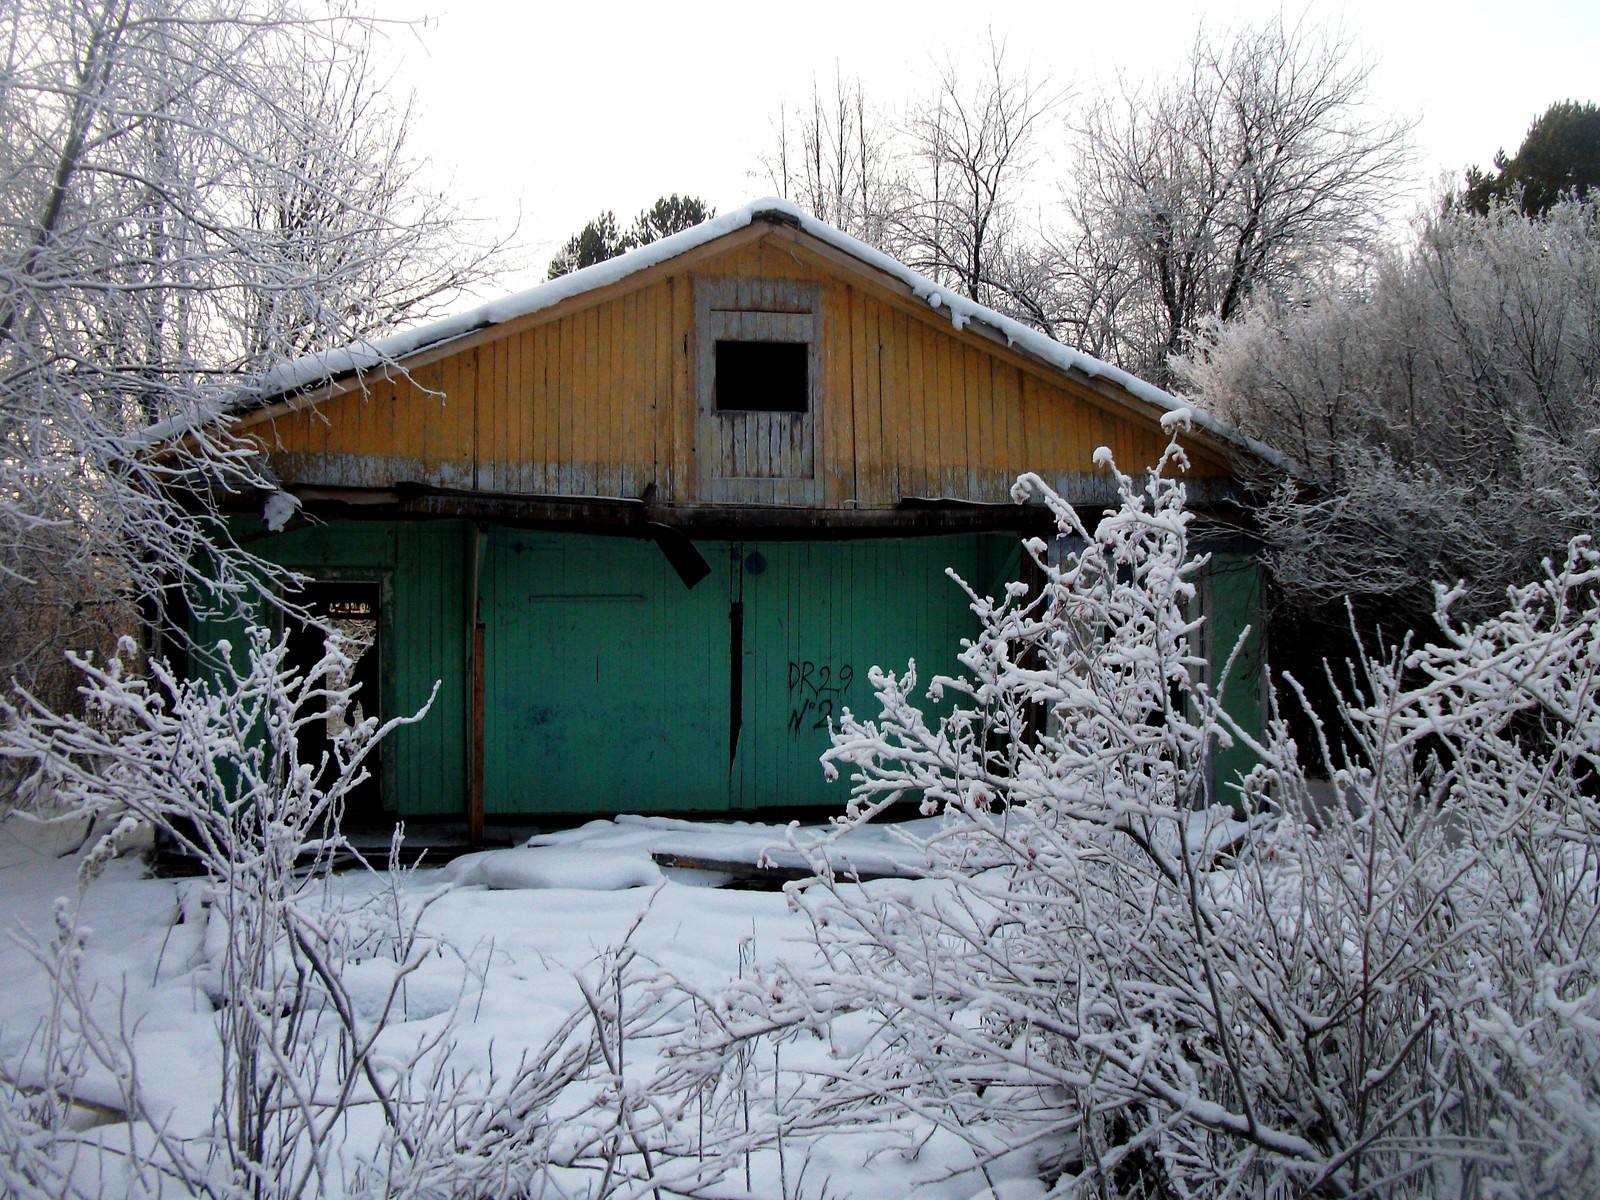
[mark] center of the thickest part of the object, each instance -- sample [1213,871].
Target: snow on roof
[315,370]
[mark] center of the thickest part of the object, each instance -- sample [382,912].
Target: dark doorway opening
[348,611]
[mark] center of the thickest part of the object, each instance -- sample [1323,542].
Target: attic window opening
[762,376]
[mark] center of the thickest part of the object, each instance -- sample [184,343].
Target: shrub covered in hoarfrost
[325,1085]
[1385,985]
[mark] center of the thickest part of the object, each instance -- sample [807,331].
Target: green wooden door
[609,686]
[1234,630]
[606,680]
[817,617]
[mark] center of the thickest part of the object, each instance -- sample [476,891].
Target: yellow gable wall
[597,398]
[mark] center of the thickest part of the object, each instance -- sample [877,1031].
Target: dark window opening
[762,377]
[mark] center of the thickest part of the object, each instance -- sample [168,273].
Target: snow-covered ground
[512,931]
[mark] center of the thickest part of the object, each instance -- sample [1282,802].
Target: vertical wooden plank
[490,401]
[1062,414]
[590,401]
[468,391]
[427,414]
[528,468]
[599,407]
[476,538]
[644,367]
[683,392]
[489,414]
[917,410]
[1059,434]
[1009,409]
[441,431]
[933,341]
[626,452]
[566,402]
[1027,411]
[667,469]
[832,452]
[613,452]
[534,453]
[520,434]
[582,410]
[979,449]
[343,429]
[484,356]
[550,402]
[1034,435]
[518,441]
[959,450]
[1060,417]
[642,454]
[897,415]
[463,410]
[406,414]
[889,448]
[948,454]
[423,412]
[878,466]
[498,399]
[860,403]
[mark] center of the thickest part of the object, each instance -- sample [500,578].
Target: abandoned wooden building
[649,524]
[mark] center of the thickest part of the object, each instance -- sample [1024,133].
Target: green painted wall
[1233,609]
[609,686]
[426,640]
[818,617]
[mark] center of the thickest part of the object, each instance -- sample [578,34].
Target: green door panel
[1234,618]
[817,617]
[609,686]
[428,643]
[606,680]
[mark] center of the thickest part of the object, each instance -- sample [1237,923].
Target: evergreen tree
[594,243]
[601,238]
[1560,154]
[669,215]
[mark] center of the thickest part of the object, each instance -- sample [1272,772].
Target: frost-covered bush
[1380,985]
[326,1083]
[1446,405]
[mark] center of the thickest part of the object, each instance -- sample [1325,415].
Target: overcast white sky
[558,110]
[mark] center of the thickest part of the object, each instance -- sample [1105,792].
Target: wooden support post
[475,815]
[475,629]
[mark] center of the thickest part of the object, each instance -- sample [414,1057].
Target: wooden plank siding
[597,396]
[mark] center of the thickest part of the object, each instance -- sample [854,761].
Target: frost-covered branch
[1380,983]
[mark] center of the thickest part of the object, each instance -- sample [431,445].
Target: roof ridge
[315,370]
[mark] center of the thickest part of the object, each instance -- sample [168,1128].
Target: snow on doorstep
[607,856]
[870,849]
[554,867]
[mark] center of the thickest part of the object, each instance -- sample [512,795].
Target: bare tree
[190,191]
[1255,168]
[385,245]
[838,159]
[972,146]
